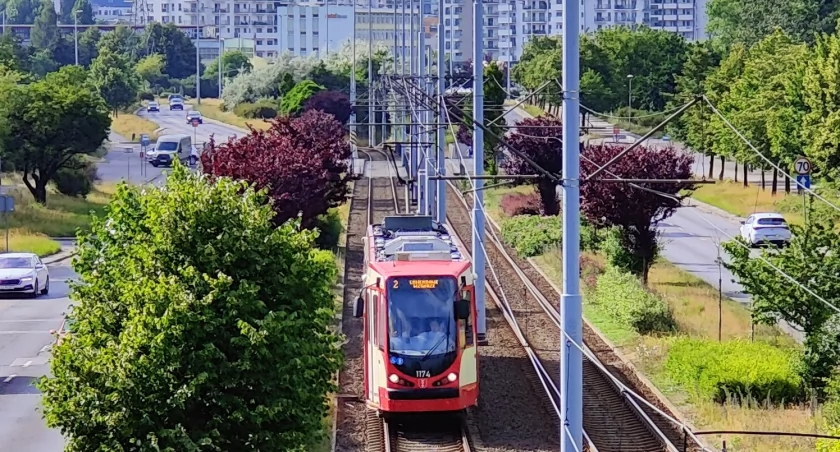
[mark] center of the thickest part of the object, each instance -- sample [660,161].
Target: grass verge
[126,124]
[62,216]
[211,108]
[21,240]
[736,199]
[697,310]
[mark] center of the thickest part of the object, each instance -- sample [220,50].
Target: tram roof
[414,239]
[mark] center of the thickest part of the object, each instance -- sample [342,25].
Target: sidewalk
[64,254]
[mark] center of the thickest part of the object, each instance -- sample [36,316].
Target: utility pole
[413,158]
[75,33]
[198,6]
[478,168]
[441,118]
[221,50]
[353,130]
[423,177]
[371,95]
[571,359]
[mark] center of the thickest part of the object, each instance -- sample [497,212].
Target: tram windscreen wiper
[440,341]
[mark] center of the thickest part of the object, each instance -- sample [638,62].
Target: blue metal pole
[571,365]
[441,117]
[478,167]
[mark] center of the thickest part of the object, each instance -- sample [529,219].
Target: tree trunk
[787,185]
[723,168]
[775,181]
[763,180]
[548,197]
[39,189]
[746,169]
[736,171]
[711,166]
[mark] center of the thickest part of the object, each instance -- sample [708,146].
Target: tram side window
[469,325]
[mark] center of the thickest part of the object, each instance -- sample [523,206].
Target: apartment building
[685,17]
[112,11]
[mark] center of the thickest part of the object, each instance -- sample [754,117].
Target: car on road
[153,106]
[176,103]
[169,148]
[194,115]
[23,273]
[761,228]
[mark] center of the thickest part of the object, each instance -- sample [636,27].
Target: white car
[153,106]
[765,227]
[23,273]
[193,115]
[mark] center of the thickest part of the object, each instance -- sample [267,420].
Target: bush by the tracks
[208,324]
[531,235]
[622,296]
[514,204]
[620,254]
[722,371]
[329,230]
[261,109]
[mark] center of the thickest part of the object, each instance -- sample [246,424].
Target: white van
[169,148]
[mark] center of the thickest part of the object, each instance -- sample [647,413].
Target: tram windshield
[421,316]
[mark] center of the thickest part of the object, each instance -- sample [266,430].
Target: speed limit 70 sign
[802,166]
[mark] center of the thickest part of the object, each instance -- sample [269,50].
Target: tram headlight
[452,377]
[394,378]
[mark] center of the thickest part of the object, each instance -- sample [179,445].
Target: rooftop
[413,238]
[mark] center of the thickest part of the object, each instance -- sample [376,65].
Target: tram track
[417,433]
[614,420]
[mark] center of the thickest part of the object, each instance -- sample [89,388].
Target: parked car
[194,115]
[153,106]
[23,273]
[761,228]
[176,104]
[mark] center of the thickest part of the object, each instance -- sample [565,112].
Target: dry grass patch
[211,108]
[736,199]
[126,124]
[21,240]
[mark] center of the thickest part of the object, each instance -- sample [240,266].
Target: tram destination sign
[423,283]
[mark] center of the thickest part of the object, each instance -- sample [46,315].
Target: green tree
[44,33]
[150,68]
[186,340]
[747,22]
[41,63]
[88,42]
[115,79]
[293,101]
[233,62]
[51,122]
[494,100]
[177,49]
[692,127]
[121,41]
[775,297]
[85,12]
[12,54]
[653,57]
[821,123]
[21,11]
[717,85]
[765,101]
[66,8]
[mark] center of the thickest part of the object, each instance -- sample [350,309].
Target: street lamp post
[221,50]
[75,33]
[629,93]
[197,58]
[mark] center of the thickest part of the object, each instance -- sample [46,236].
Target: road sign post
[803,167]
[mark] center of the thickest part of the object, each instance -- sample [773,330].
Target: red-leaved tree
[302,161]
[634,211]
[335,103]
[541,140]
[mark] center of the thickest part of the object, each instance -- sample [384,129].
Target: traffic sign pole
[803,167]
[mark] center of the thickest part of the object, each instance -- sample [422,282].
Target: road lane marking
[28,363]
[53,319]
[7,333]
[9,378]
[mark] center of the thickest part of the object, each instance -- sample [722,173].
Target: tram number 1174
[423,374]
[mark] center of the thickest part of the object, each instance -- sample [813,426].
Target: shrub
[720,371]
[293,101]
[514,204]
[76,180]
[262,109]
[619,253]
[146,96]
[531,235]
[329,227]
[623,298]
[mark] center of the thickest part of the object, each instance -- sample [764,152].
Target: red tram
[418,306]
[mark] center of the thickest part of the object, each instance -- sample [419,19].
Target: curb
[56,258]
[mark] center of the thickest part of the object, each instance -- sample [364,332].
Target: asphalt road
[25,341]
[691,240]
[175,122]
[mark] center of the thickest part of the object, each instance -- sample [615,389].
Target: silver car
[23,273]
